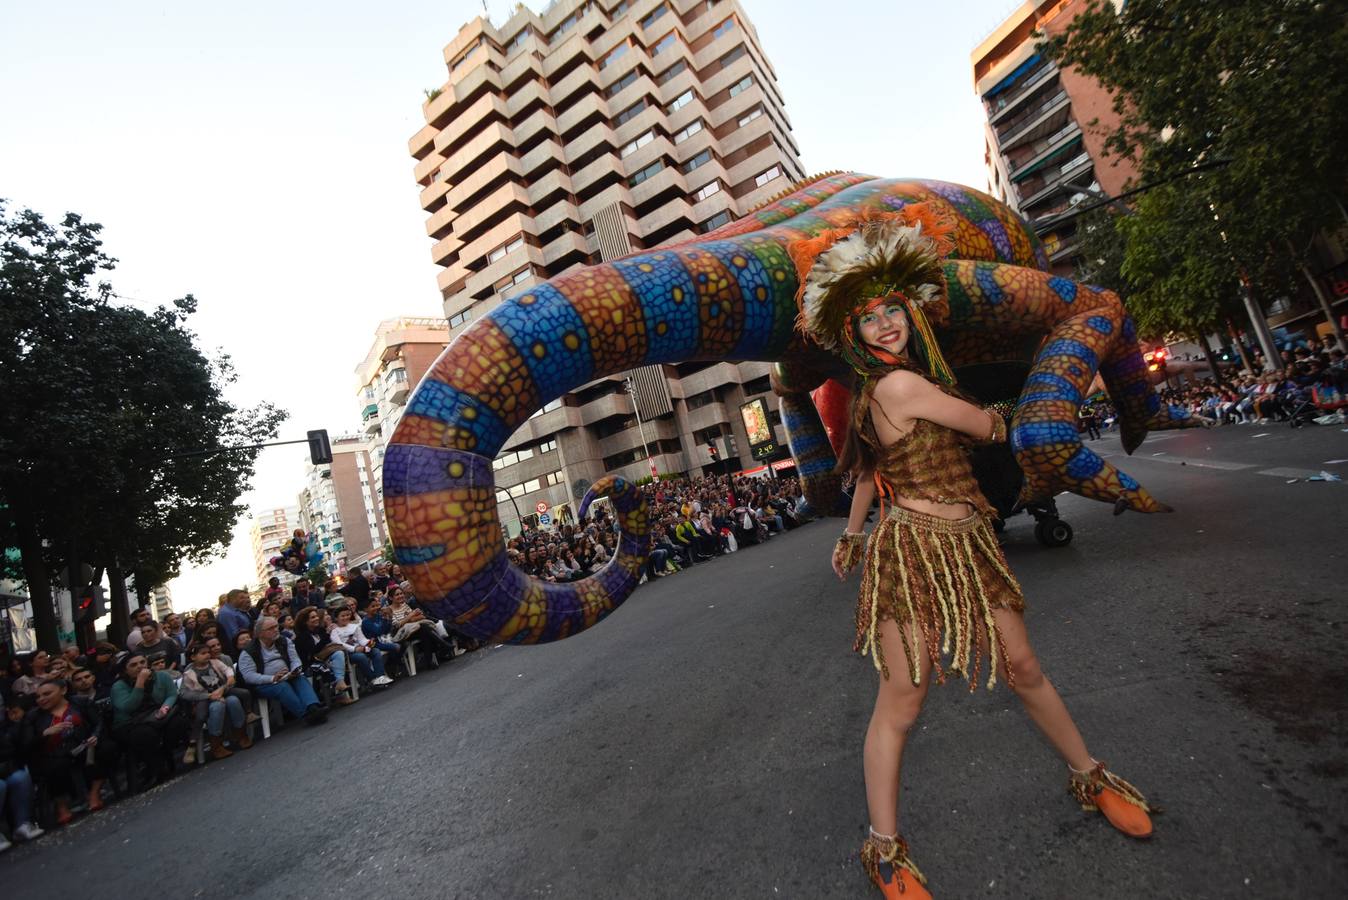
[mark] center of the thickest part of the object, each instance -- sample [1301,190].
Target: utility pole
[632,395]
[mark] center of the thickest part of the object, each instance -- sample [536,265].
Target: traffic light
[90,605]
[320,448]
[713,452]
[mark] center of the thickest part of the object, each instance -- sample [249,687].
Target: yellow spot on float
[527,300]
[646,267]
[540,351]
[456,470]
[677,294]
[662,327]
[469,413]
[572,341]
[617,317]
[739,261]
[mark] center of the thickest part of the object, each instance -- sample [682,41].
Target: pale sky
[255,155]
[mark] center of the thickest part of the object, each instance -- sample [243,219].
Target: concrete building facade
[403,350]
[1044,157]
[270,531]
[339,506]
[579,135]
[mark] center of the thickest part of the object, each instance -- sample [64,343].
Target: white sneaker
[382,680]
[4,844]
[28,831]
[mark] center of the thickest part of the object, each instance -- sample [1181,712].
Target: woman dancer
[935,583]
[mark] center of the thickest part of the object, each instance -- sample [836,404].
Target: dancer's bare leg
[1037,693]
[897,704]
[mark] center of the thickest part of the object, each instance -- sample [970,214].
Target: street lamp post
[632,395]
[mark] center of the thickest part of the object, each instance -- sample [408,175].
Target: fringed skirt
[939,580]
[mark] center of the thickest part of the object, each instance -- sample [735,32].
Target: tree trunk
[1212,359]
[35,574]
[121,617]
[1325,307]
[1240,346]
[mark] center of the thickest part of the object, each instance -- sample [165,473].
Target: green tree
[1260,83]
[99,397]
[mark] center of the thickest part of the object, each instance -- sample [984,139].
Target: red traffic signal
[712,451]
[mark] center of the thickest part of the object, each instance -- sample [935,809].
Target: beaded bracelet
[852,547]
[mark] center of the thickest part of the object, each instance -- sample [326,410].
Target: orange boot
[1121,803]
[886,862]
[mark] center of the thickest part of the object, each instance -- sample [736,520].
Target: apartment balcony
[1015,98]
[615,404]
[568,244]
[1056,144]
[707,416]
[556,214]
[660,182]
[396,387]
[630,438]
[426,168]
[581,78]
[1056,180]
[591,105]
[1039,121]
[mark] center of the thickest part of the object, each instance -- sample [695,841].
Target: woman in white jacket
[364,654]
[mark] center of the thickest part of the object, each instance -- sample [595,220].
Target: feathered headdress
[877,255]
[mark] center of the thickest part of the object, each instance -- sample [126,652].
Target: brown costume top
[931,462]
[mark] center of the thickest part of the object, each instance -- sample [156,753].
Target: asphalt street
[705,740]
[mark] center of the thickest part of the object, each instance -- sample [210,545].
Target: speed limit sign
[541,507]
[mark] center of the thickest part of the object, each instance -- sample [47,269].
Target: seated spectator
[57,736]
[412,624]
[270,666]
[83,687]
[173,629]
[378,627]
[364,652]
[204,617]
[16,784]
[104,666]
[287,622]
[218,652]
[153,640]
[145,720]
[72,655]
[138,619]
[206,684]
[314,647]
[303,594]
[34,673]
[242,640]
[233,616]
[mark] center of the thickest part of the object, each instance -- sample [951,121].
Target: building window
[547,446]
[664,43]
[653,169]
[724,28]
[688,131]
[520,38]
[547,408]
[553,478]
[505,249]
[634,146]
[697,401]
[764,177]
[630,113]
[742,85]
[654,15]
[750,116]
[679,102]
[707,190]
[715,222]
[521,275]
[700,160]
[613,89]
[758,385]
[514,456]
[672,72]
[613,55]
[733,55]
[618,9]
[459,318]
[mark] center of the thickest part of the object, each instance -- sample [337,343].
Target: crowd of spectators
[691,520]
[82,726]
[116,719]
[1311,385]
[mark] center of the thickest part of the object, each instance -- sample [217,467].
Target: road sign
[544,519]
[541,507]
